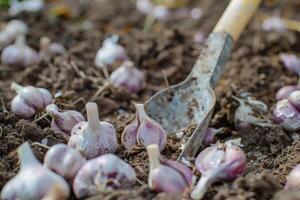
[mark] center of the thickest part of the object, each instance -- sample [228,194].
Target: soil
[166,52]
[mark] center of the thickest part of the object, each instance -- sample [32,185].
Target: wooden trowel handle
[236,16]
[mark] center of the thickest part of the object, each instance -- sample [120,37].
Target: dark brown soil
[167,51]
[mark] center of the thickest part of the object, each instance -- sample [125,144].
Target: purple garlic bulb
[63,121]
[19,54]
[286,115]
[10,32]
[167,175]
[294,99]
[64,161]
[210,136]
[47,47]
[293,179]
[291,62]
[128,77]
[29,100]
[285,91]
[224,162]
[102,174]
[143,130]
[144,6]
[33,181]
[93,138]
[110,52]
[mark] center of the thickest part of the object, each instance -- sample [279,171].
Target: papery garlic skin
[129,135]
[166,175]
[103,174]
[93,138]
[293,179]
[110,52]
[29,100]
[33,181]
[64,121]
[19,54]
[64,161]
[12,29]
[285,91]
[218,163]
[286,115]
[128,77]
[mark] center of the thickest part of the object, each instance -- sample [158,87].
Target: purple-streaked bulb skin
[217,163]
[293,179]
[128,77]
[294,99]
[64,161]
[64,121]
[144,6]
[110,53]
[33,181]
[149,131]
[129,134]
[166,175]
[286,115]
[29,100]
[285,91]
[101,174]
[19,55]
[291,62]
[93,138]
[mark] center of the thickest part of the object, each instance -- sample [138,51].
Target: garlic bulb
[167,175]
[287,115]
[144,6]
[102,174]
[225,162]
[128,77]
[64,161]
[16,7]
[285,91]
[110,52]
[93,138]
[33,181]
[293,179]
[144,130]
[19,54]
[63,121]
[10,32]
[29,100]
[47,47]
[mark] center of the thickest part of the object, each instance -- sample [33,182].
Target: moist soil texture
[166,55]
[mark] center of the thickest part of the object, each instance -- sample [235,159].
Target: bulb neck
[154,156]
[20,41]
[140,109]
[201,187]
[53,110]
[16,87]
[26,156]
[92,116]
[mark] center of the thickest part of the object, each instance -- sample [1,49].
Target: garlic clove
[129,135]
[103,174]
[128,77]
[29,99]
[149,131]
[167,176]
[93,138]
[41,181]
[285,91]
[286,115]
[63,121]
[64,161]
[19,54]
[293,179]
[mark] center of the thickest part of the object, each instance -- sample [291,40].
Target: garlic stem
[201,187]
[26,156]
[16,87]
[92,115]
[154,155]
[141,111]
[52,109]
[20,41]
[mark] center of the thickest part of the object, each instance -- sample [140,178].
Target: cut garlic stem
[201,187]
[16,87]
[141,111]
[27,158]
[92,115]
[154,155]
[20,41]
